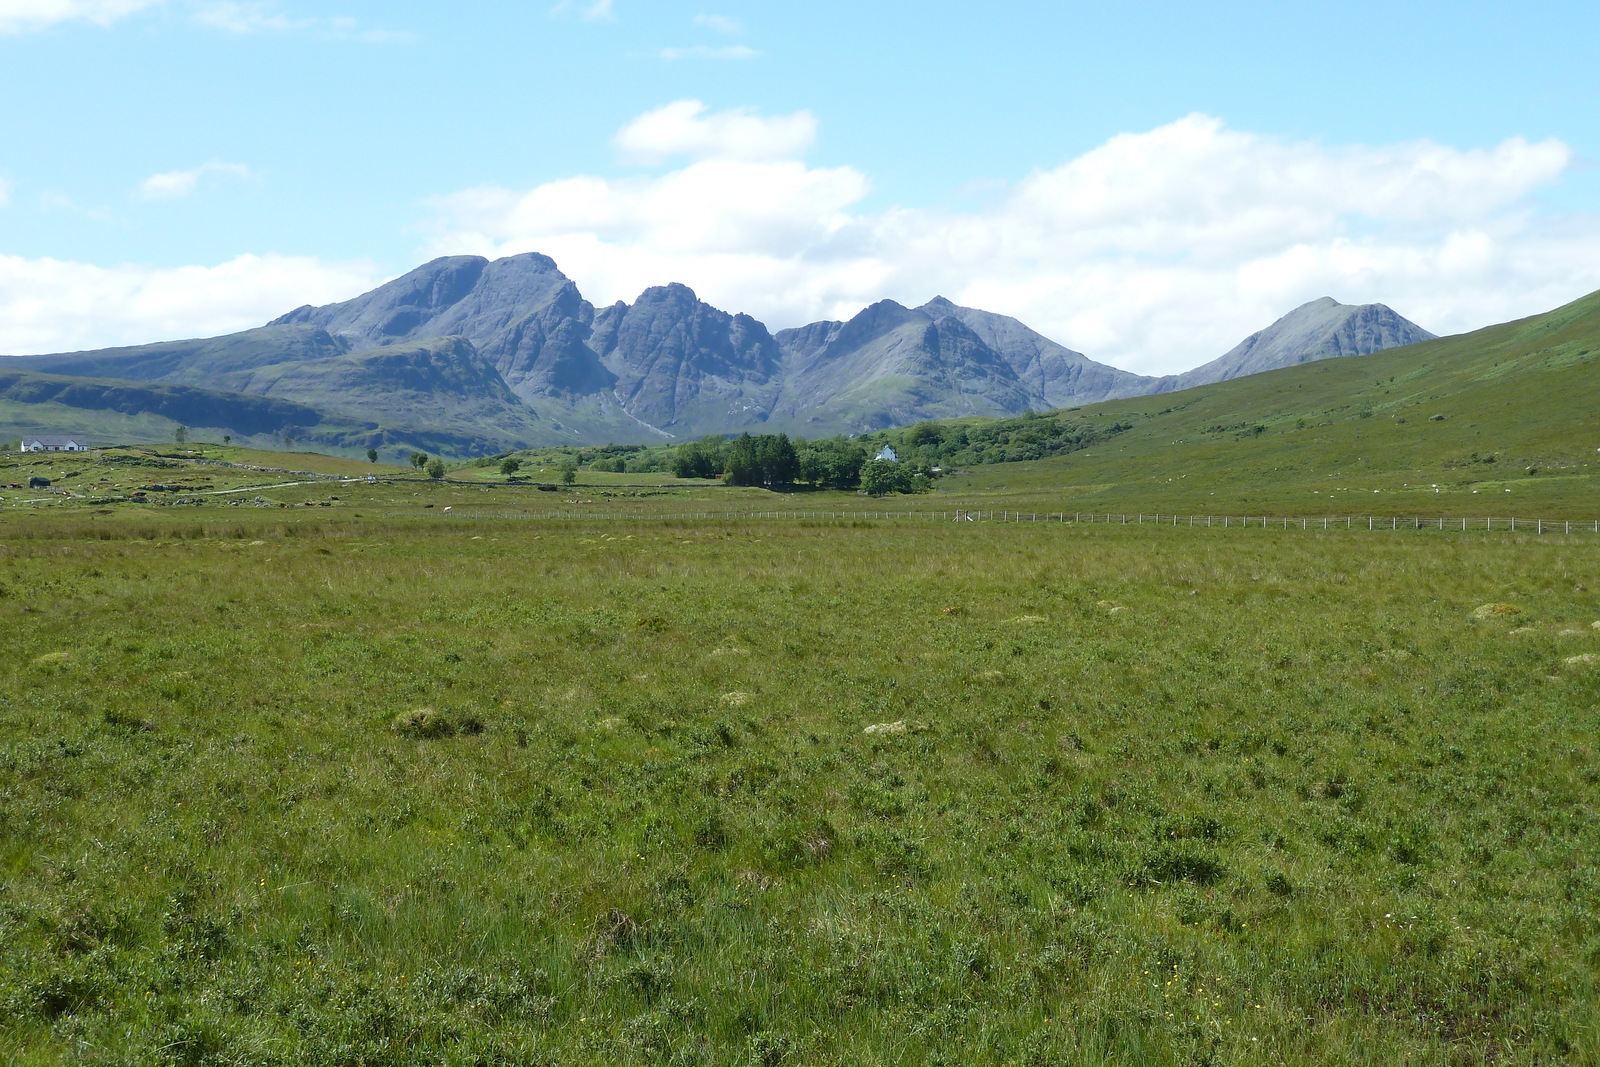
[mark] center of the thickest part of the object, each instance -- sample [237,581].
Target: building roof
[48,439]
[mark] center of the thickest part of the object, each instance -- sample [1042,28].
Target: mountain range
[465,355]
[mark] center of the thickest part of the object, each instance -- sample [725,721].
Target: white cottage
[53,443]
[888,453]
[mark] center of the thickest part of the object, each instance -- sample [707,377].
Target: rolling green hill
[440,387]
[1494,421]
[106,402]
[114,411]
[438,394]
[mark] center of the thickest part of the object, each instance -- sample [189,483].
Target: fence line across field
[1370,523]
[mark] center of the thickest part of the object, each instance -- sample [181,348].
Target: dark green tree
[880,477]
[419,460]
[834,462]
[435,467]
[743,461]
[510,465]
[705,458]
[924,434]
[372,455]
[569,471]
[780,463]
[181,434]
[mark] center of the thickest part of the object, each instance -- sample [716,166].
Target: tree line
[1024,437]
[777,460]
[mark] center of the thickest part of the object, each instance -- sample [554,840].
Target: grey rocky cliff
[1055,376]
[1321,329]
[682,365]
[887,366]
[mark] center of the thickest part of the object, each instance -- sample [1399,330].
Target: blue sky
[1145,182]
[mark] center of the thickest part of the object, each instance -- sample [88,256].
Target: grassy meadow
[287,787]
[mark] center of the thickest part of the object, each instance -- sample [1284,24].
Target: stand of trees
[1029,436]
[834,463]
[768,459]
[772,459]
[705,458]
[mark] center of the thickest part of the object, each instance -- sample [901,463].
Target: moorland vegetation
[298,788]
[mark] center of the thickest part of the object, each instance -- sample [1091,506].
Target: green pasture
[1494,422]
[102,483]
[305,786]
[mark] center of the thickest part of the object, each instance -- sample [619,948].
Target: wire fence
[1369,523]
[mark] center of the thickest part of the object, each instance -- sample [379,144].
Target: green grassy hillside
[437,394]
[113,411]
[1447,426]
[248,415]
[435,388]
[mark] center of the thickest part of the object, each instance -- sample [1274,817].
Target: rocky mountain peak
[1319,329]
[674,293]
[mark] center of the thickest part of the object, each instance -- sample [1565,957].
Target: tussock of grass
[428,724]
[1495,611]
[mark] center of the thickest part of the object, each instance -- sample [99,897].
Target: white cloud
[231,16]
[1155,251]
[250,16]
[720,24]
[50,305]
[588,10]
[20,16]
[176,184]
[705,51]
[684,128]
